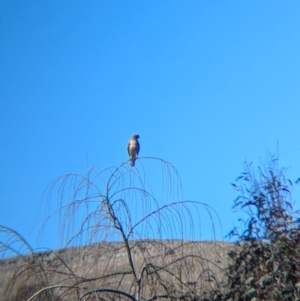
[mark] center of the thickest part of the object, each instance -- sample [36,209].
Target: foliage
[30,268]
[132,244]
[265,264]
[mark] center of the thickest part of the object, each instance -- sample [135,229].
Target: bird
[133,148]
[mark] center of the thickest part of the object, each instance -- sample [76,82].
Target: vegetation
[265,264]
[123,242]
[143,247]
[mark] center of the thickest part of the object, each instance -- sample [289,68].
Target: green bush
[265,263]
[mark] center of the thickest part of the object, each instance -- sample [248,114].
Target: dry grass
[202,269]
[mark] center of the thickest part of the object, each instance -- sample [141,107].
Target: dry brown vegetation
[105,265]
[155,257]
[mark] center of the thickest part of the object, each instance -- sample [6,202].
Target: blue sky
[206,84]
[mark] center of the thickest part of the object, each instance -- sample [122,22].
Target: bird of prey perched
[133,148]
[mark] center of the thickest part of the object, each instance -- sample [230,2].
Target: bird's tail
[132,161]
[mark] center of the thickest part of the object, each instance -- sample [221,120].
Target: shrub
[265,264]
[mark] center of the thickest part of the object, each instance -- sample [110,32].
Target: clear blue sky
[206,84]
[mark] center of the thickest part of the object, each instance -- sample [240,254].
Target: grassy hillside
[91,264]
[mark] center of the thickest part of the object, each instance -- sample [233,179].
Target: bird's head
[136,136]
